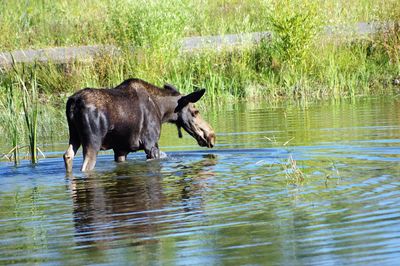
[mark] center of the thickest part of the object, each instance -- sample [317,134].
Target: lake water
[298,184]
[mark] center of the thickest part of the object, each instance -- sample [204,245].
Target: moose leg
[153,152]
[74,144]
[94,128]
[69,155]
[120,156]
[91,146]
[89,158]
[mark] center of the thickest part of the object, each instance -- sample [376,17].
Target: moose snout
[211,140]
[206,137]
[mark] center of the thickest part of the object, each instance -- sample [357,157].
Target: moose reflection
[128,118]
[131,202]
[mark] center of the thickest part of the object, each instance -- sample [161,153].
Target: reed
[30,105]
[10,106]
[20,109]
[293,174]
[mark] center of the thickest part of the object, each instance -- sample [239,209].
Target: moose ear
[190,98]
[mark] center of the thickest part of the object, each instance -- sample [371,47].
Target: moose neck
[167,105]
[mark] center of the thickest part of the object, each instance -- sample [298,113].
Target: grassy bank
[300,62]
[45,23]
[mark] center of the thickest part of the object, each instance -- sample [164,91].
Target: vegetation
[10,120]
[21,104]
[300,61]
[31,109]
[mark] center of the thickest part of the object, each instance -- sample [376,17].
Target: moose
[128,118]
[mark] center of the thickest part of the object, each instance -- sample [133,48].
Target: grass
[45,23]
[21,105]
[293,174]
[30,106]
[300,62]
[11,122]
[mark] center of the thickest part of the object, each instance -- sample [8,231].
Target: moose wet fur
[128,118]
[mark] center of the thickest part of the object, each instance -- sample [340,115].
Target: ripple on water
[235,204]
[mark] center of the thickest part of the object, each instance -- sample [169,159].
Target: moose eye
[195,112]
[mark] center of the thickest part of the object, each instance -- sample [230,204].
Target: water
[244,202]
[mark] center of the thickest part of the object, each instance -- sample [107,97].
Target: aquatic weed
[293,173]
[333,174]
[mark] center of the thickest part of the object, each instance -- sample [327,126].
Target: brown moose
[128,118]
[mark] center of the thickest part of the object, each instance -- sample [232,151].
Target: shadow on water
[131,203]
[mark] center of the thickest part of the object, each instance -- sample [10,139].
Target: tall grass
[31,110]
[299,63]
[295,25]
[20,120]
[44,23]
[10,120]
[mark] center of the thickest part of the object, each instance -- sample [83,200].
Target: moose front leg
[153,152]
[120,156]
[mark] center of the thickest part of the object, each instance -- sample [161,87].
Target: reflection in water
[129,202]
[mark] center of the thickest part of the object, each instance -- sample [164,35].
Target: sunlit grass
[298,63]
[31,109]
[45,23]
[21,106]
[10,120]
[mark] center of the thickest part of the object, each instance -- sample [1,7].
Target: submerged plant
[293,173]
[333,174]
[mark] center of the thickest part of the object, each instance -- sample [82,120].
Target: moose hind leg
[91,146]
[94,129]
[70,154]
[74,144]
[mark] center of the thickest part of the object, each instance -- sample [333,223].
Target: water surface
[337,202]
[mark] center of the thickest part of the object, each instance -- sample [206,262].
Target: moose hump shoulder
[128,118]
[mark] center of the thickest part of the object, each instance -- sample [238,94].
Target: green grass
[300,62]
[45,23]
[30,104]
[22,118]
[11,106]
